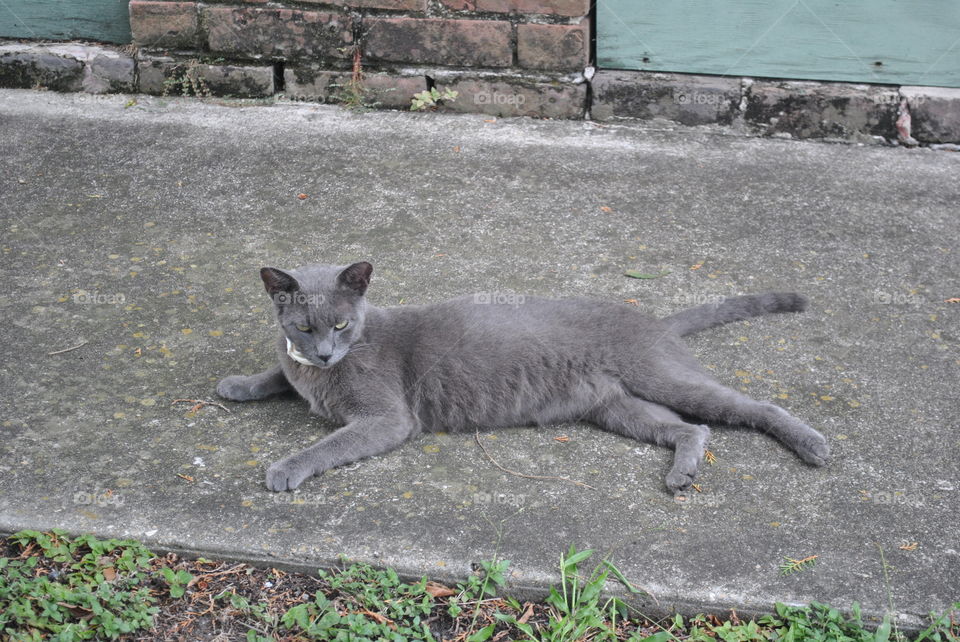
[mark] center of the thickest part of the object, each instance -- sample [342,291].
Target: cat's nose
[324,357]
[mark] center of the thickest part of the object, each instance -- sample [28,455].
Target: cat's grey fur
[471,363]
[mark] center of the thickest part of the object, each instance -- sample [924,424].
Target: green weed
[431,99]
[85,588]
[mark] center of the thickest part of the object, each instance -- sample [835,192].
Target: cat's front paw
[235,388]
[287,475]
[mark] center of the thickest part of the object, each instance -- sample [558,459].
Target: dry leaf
[952,300]
[379,617]
[187,477]
[457,148]
[526,614]
[697,266]
[631,301]
[109,574]
[604,208]
[489,120]
[301,196]
[710,457]
[912,546]
[562,438]
[438,590]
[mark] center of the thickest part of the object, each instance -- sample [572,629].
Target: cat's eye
[341,325]
[303,328]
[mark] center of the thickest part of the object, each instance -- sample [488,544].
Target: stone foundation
[500,67]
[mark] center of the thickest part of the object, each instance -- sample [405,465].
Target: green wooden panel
[909,42]
[103,20]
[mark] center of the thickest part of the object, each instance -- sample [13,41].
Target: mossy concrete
[137,231]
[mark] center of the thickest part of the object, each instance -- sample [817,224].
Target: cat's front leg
[363,437]
[253,387]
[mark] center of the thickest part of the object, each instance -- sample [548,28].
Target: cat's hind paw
[679,482]
[814,451]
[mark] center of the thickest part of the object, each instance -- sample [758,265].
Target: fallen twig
[200,403]
[79,345]
[519,474]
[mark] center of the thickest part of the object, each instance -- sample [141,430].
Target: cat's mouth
[298,356]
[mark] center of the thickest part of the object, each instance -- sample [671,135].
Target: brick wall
[503,57]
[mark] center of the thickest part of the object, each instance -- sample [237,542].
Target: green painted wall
[104,20]
[908,42]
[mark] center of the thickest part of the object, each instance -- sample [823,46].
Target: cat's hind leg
[652,423]
[699,395]
[253,387]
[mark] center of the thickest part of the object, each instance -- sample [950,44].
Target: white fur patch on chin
[296,355]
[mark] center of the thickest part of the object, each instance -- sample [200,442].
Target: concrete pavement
[137,231]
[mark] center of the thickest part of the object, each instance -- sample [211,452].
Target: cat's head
[320,308]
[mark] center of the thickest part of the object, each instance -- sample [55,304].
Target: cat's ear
[276,281]
[356,277]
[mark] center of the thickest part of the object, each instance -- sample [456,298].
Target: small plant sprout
[186,79]
[791,565]
[431,99]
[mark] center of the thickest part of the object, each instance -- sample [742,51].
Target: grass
[57,587]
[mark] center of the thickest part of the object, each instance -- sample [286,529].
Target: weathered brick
[555,47]
[399,5]
[687,99]
[163,74]
[238,81]
[480,43]
[280,33]
[822,110]
[516,97]
[108,72]
[934,112]
[547,7]
[460,5]
[164,25]
[308,83]
[27,66]
[153,72]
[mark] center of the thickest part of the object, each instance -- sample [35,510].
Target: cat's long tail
[734,309]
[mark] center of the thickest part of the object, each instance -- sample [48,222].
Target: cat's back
[502,312]
[502,322]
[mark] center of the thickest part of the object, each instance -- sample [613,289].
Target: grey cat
[387,374]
